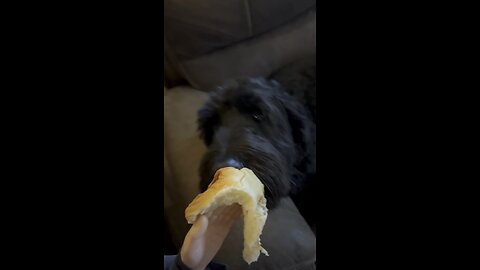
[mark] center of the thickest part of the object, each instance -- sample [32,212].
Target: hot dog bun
[231,186]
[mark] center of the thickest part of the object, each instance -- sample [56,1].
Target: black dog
[256,123]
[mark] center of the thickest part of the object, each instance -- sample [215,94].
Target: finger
[227,209]
[216,214]
[233,212]
[227,214]
[199,227]
[237,210]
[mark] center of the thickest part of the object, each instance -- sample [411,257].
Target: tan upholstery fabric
[183,150]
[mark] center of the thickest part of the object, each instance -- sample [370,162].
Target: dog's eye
[257,117]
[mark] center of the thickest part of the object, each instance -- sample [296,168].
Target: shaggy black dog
[256,123]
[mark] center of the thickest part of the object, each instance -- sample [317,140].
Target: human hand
[206,236]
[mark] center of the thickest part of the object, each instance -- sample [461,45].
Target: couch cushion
[286,236]
[183,150]
[260,56]
[194,28]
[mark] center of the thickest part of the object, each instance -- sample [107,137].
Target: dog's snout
[234,163]
[229,163]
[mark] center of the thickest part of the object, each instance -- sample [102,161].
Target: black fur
[256,123]
[300,80]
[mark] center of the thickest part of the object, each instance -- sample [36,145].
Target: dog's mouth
[216,172]
[265,162]
[234,163]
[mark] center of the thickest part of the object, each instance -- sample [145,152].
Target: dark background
[83,116]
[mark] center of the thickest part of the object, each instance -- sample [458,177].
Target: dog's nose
[229,163]
[234,163]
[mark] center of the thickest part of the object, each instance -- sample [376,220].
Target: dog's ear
[208,117]
[303,132]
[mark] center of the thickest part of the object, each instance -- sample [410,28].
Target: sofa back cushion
[209,41]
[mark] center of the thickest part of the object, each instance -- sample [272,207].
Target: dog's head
[254,123]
